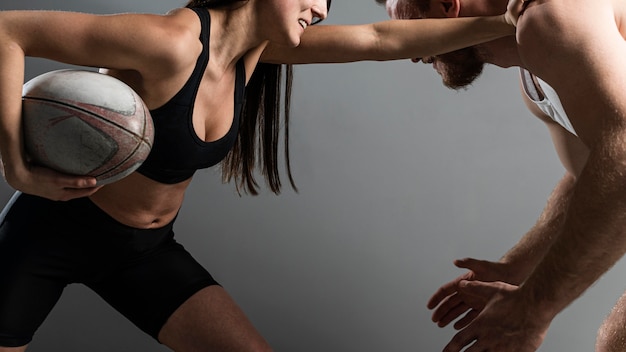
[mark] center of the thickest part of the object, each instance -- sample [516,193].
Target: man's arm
[585,69]
[531,248]
[576,47]
[453,300]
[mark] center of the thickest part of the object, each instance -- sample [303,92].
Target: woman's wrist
[505,23]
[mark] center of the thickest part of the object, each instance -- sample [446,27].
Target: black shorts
[45,245]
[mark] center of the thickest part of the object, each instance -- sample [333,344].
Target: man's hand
[506,324]
[453,300]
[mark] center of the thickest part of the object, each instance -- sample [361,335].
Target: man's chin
[459,69]
[456,85]
[458,80]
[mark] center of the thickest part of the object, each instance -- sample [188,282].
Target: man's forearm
[533,246]
[592,237]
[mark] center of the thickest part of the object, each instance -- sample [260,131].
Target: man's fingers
[466,320]
[441,294]
[453,314]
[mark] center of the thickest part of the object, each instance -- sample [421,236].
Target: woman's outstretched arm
[389,40]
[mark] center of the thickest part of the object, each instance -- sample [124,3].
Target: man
[574,48]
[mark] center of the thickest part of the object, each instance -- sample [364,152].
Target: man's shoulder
[553,28]
[561,16]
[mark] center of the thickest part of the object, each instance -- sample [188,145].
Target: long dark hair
[259,125]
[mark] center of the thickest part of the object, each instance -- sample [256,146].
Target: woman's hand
[47,183]
[514,10]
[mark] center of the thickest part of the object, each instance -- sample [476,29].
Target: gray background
[398,176]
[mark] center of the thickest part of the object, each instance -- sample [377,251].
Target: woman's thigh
[32,272]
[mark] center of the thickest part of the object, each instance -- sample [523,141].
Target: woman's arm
[389,40]
[120,41]
[115,41]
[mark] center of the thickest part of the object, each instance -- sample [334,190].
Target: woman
[118,239]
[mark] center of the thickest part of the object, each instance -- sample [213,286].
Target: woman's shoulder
[179,43]
[183,25]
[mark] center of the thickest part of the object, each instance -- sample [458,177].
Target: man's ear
[450,8]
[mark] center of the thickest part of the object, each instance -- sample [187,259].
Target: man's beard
[460,68]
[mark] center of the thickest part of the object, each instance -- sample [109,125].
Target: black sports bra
[177,151]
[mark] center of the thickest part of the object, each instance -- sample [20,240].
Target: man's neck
[501,52]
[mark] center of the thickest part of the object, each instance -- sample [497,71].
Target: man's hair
[259,125]
[422,5]
[210,4]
